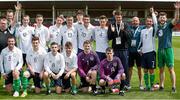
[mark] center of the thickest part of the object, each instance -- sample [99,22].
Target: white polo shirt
[43,33]
[70,62]
[84,34]
[101,38]
[54,64]
[54,31]
[24,36]
[11,60]
[148,40]
[68,34]
[36,59]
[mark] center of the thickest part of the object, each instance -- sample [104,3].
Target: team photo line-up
[58,54]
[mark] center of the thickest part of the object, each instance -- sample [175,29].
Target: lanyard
[118,29]
[136,31]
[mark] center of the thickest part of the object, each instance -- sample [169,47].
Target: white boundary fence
[176,33]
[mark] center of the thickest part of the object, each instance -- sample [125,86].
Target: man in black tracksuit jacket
[120,35]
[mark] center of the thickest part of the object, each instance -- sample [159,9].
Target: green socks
[48,86]
[16,85]
[24,83]
[146,80]
[152,78]
[74,89]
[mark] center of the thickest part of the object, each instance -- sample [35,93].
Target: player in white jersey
[54,65]
[101,37]
[24,35]
[68,33]
[147,44]
[11,66]
[54,30]
[85,32]
[70,69]
[35,63]
[42,31]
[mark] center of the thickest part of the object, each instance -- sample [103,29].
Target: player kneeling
[88,63]
[11,65]
[54,68]
[70,69]
[112,73]
[35,63]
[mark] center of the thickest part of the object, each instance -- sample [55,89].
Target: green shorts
[166,56]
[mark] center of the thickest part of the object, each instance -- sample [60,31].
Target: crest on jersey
[91,58]
[160,33]
[14,55]
[114,64]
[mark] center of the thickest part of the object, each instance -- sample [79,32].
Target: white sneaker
[16,94]
[127,88]
[32,87]
[4,86]
[89,89]
[141,87]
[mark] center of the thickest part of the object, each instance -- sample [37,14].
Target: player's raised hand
[151,10]
[18,6]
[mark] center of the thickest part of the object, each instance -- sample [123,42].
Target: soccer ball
[156,86]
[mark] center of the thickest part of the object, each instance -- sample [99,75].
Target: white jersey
[68,34]
[54,31]
[70,62]
[84,34]
[101,38]
[11,60]
[54,64]
[148,40]
[43,33]
[24,36]
[36,59]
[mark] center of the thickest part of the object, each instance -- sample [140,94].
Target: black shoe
[121,93]
[103,90]
[161,88]
[48,92]
[173,90]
